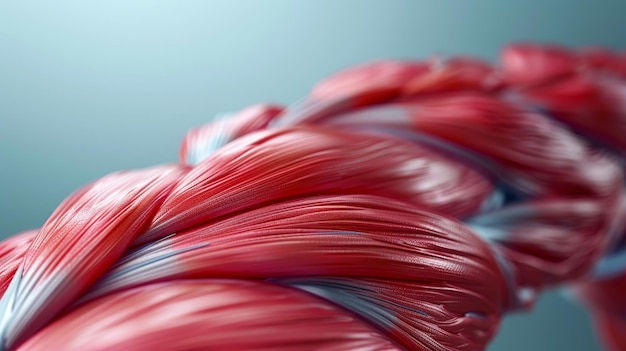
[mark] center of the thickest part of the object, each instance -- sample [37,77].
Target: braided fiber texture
[402,205]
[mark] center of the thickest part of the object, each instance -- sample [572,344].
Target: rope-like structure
[402,205]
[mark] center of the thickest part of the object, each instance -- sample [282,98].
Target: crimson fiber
[402,205]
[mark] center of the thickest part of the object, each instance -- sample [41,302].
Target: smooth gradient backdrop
[91,87]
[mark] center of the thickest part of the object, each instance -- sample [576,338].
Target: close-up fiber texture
[401,205]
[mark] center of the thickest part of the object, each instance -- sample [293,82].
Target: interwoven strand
[402,205]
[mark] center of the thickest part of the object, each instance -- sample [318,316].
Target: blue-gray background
[90,87]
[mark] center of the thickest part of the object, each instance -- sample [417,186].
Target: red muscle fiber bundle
[403,205]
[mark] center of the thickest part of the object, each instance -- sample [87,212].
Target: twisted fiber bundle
[403,205]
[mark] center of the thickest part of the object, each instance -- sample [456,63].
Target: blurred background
[91,87]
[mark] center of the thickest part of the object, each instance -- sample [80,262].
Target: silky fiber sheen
[401,205]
